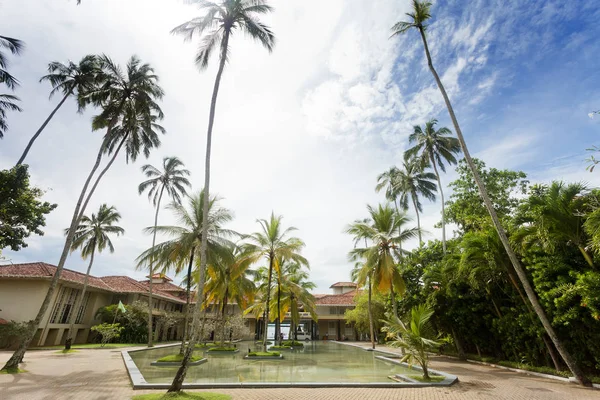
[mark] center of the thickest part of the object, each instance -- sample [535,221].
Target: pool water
[322,362]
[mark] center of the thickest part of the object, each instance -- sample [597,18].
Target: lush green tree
[272,244]
[435,148]
[384,233]
[414,181]
[70,80]
[172,179]
[129,115]
[92,235]
[216,27]
[362,274]
[173,254]
[8,101]
[108,332]
[21,210]
[367,312]
[417,20]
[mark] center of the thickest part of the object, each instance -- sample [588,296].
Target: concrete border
[138,382]
[279,357]
[177,364]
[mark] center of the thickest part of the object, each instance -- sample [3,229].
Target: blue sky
[306,130]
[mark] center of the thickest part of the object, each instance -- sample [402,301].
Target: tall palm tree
[70,79]
[129,114]
[174,253]
[435,147]
[173,180]
[417,20]
[414,182]
[92,235]
[216,28]
[228,278]
[273,244]
[384,232]
[8,101]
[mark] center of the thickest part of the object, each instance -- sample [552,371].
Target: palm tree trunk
[371,328]
[187,302]
[459,347]
[150,301]
[393,299]
[414,200]
[503,238]
[268,300]
[39,131]
[278,321]
[223,317]
[180,375]
[437,174]
[79,303]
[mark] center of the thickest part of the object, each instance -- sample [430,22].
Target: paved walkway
[100,374]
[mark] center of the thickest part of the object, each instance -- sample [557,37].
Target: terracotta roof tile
[46,271]
[346,299]
[344,284]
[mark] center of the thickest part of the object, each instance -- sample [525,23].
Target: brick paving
[99,374]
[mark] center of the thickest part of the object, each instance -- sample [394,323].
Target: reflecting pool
[323,362]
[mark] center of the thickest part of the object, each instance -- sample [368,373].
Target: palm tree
[413,181]
[384,232]
[187,238]
[92,235]
[435,147]
[228,278]
[417,20]
[216,28]
[173,180]
[129,114]
[362,274]
[70,79]
[272,244]
[8,101]
[417,337]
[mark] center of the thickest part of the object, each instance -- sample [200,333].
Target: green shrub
[219,348]
[177,358]
[281,347]
[293,343]
[108,331]
[264,354]
[11,333]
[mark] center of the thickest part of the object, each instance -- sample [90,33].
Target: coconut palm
[129,115]
[229,278]
[362,274]
[70,80]
[414,182]
[417,19]
[173,180]
[417,337]
[273,244]
[216,27]
[92,235]
[184,247]
[384,232]
[8,101]
[435,147]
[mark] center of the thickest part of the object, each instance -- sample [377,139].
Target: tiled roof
[344,284]
[346,299]
[161,276]
[118,284]
[46,271]
[164,286]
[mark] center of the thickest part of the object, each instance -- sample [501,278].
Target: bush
[281,347]
[134,321]
[264,354]
[177,358]
[108,331]
[293,343]
[219,348]
[11,333]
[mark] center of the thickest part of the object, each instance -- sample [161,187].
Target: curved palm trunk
[223,308]
[79,303]
[150,300]
[17,357]
[393,299]
[414,200]
[187,302]
[437,174]
[278,321]
[371,328]
[39,131]
[180,375]
[503,238]
[266,322]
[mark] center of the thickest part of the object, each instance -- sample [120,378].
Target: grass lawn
[264,354]
[63,351]
[222,349]
[183,396]
[284,347]
[178,358]
[432,378]
[11,371]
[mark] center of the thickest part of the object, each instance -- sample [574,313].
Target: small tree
[108,332]
[417,337]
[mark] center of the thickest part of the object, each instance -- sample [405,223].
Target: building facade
[24,286]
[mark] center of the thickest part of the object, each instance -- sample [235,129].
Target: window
[332,310]
[65,303]
[82,309]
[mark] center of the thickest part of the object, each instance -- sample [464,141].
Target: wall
[20,299]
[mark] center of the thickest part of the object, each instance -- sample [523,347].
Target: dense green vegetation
[222,348]
[264,354]
[178,358]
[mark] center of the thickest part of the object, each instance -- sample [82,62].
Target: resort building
[24,286]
